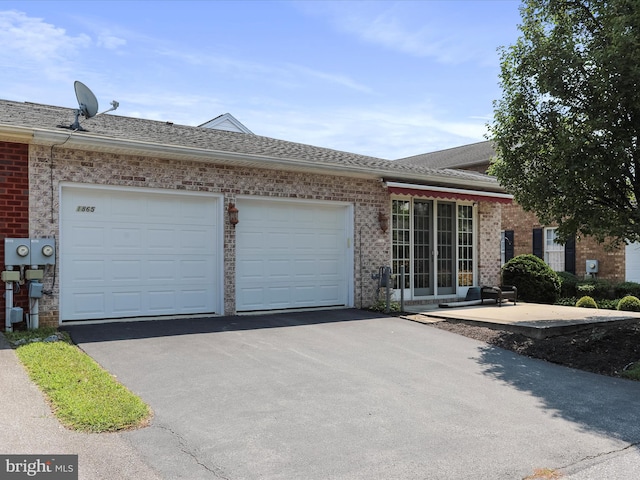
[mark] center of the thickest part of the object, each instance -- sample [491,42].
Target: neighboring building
[523,233]
[143,216]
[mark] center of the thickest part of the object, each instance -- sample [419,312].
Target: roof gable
[226,122]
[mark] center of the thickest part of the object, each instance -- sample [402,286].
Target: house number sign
[85,208]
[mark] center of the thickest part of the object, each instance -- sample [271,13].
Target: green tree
[566,128]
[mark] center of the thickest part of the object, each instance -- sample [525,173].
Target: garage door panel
[161,302]
[193,299]
[163,210]
[127,239]
[192,211]
[291,255]
[251,269]
[126,303]
[251,298]
[277,241]
[137,254]
[278,269]
[304,268]
[160,239]
[329,293]
[88,303]
[328,268]
[87,271]
[86,239]
[125,208]
[161,270]
[126,270]
[195,270]
[196,240]
[304,242]
[328,241]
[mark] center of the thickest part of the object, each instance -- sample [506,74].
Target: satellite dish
[87,101]
[87,105]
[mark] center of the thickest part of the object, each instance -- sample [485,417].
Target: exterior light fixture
[383,219]
[233,214]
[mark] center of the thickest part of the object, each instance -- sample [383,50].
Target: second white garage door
[292,255]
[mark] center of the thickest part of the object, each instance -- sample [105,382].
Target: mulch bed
[605,349]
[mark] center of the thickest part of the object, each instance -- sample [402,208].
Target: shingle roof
[457,157]
[49,118]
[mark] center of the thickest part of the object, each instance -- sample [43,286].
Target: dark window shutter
[537,243]
[508,245]
[570,255]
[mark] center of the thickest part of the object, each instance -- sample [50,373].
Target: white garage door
[292,255]
[135,253]
[632,262]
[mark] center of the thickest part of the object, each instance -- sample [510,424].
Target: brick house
[523,233]
[143,217]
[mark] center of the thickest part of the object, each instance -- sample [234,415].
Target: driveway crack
[184,448]
[599,455]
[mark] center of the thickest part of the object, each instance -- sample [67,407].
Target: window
[553,251]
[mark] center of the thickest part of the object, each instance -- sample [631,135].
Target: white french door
[434,241]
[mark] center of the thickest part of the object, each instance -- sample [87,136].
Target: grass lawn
[83,395]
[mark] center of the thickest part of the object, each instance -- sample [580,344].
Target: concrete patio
[531,319]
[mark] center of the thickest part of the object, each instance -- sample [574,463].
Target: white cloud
[289,75]
[110,42]
[31,39]
[458,36]
[331,78]
[378,131]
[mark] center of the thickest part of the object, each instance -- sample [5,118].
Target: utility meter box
[16,315]
[43,251]
[35,290]
[592,266]
[17,251]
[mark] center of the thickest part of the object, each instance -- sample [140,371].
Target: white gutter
[450,190]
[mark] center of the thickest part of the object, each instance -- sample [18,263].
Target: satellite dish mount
[87,106]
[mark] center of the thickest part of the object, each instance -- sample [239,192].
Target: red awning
[452,194]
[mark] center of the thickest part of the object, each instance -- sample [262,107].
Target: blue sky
[383,78]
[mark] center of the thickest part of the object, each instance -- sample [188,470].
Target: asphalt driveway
[347,394]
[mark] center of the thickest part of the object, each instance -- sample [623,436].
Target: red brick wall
[14,205]
[611,261]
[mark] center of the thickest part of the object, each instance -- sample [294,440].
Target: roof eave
[87,141]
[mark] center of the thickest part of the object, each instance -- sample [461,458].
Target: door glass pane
[465,245]
[422,234]
[446,247]
[401,248]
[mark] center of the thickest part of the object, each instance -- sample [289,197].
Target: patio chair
[499,294]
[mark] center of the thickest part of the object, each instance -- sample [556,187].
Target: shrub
[567,301]
[568,284]
[607,304]
[586,302]
[381,306]
[629,304]
[627,288]
[535,280]
[600,289]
